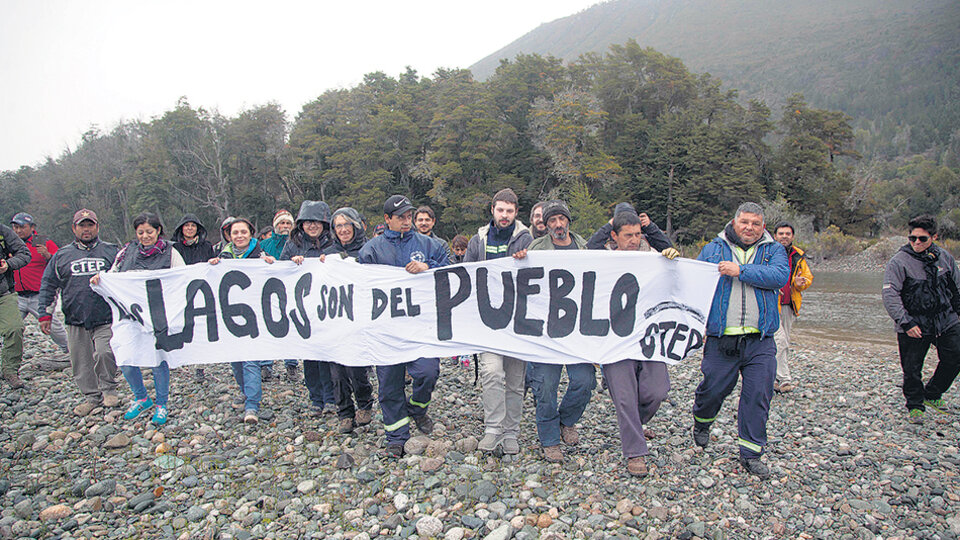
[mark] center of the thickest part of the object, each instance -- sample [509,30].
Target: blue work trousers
[316,377]
[397,410]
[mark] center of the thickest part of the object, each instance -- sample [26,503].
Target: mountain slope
[886,61]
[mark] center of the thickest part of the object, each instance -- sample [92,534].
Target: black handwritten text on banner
[559,307]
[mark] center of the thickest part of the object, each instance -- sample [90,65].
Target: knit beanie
[280,216]
[552,208]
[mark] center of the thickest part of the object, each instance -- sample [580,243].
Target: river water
[845,306]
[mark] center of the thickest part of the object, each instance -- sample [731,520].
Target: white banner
[553,306]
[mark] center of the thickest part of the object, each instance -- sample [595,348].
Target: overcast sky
[67,65]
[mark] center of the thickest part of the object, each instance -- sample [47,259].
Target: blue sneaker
[160,417]
[137,407]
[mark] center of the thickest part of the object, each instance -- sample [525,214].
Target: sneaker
[701,434]
[424,423]
[13,380]
[553,454]
[787,387]
[755,467]
[489,442]
[137,407]
[939,405]
[160,416]
[394,450]
[293,374]
[346,425]
[636,466]
[569,435]
[250,417]
[776,387]
[111,400]
[363,417]
[915,416]
[84,408]
[510,445]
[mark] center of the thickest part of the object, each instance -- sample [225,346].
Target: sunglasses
[920,239]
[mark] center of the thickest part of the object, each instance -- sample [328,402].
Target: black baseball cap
[397,204]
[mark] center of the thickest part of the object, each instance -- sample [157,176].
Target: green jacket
[546,242]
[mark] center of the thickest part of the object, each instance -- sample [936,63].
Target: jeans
[161,382]
[316,377]
[912,353]
[544,380]
[30,305]
[247,375]
[269,363]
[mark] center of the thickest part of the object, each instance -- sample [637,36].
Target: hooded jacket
[651,233]
[299,242]
[477,247]
[399,249]
[69,271]
[798,267]
[199,251]
[17,255]
[921,289]
[352,249]
[765,274]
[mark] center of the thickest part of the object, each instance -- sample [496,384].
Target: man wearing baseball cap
[27,279]
[14,255]
[401,246]
[87,315]
[558,424]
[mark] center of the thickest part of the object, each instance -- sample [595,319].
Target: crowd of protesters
[758,296]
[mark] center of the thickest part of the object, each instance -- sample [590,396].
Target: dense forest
[631,124]
[892,65]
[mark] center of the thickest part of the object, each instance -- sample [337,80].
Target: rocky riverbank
[844,462]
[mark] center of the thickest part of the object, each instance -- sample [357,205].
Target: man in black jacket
[86,314]
[651,233]
[920,292]
[14,255]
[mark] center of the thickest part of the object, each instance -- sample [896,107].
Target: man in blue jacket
[743,318]
[400,245]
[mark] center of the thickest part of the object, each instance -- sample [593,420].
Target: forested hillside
[630,124]
[893,65]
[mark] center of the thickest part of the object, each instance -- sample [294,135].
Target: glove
[670,253]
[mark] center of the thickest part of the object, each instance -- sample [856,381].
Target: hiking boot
[701,434]
[787,387]
[553,454]
[293,374]
[111,400]
[250,417]
[510,445]
[346,425]
[199,375]
[915,416]
[265,374]
[84,408]
[636,466]
[489,442]
[363,417]
[569,435]
[394,450]
[939,405]
[137,407]
[776,386]
[13,380]
[424,423]
[649,434]
[756,467]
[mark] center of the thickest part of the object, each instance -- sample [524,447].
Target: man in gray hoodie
[920,292]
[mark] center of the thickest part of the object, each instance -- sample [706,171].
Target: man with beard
[86,313]
[743,318]
[920,292]
[501,377]
[537,227]
[558,424]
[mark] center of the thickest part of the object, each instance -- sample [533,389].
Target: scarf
[157,248]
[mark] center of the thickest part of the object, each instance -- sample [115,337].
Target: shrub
[832,242]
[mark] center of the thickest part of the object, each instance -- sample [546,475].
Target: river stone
[416,445]
[101,488]
[429,526]
[196,513]
[119,440]
[57,511]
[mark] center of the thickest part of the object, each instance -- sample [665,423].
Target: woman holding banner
[247,374]
[350,382]
[309,238]
[149,252]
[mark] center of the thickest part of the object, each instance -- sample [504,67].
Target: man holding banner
[400,246]
[743,319]
[501,377]
[553,424]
